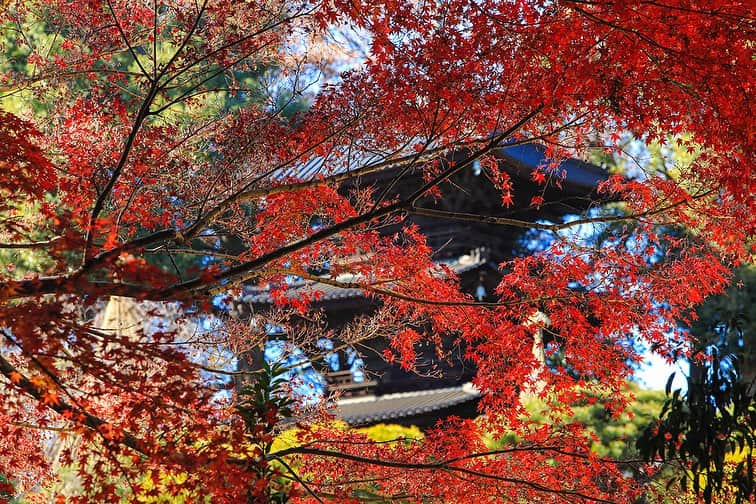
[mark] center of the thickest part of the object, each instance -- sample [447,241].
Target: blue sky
[655,371]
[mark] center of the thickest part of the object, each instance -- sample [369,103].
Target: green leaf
[668,386]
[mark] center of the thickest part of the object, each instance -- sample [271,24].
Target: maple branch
[126,41]
[501,451]
[706,12]
[441,465]
[483,219]
[208,77]
[31,245]
[236,274]
[412,163]
[405,162]
[650,41]
[65,409]
[97,424]
[100,202]
[76,414]
[454,168]
[154,38]
[64,283]
[506,221]
[245,194]
[406,297]
[8,91]
[299,480]
[48,285]
[184,42]
[199,252]
[535,486]
[229,45]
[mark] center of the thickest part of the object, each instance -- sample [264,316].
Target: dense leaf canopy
[142,129]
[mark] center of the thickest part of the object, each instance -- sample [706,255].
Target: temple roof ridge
[256,294]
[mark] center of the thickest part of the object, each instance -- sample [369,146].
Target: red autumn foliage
[163,128]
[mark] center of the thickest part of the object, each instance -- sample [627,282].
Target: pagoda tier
[382,392]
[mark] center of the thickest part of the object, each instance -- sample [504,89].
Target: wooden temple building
[380,392]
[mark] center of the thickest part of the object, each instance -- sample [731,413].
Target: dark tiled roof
[372,409]
[577,173]
[260,294]
[526,157]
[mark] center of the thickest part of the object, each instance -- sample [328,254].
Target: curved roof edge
[530,156]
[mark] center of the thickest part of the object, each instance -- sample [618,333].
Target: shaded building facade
[472,249]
